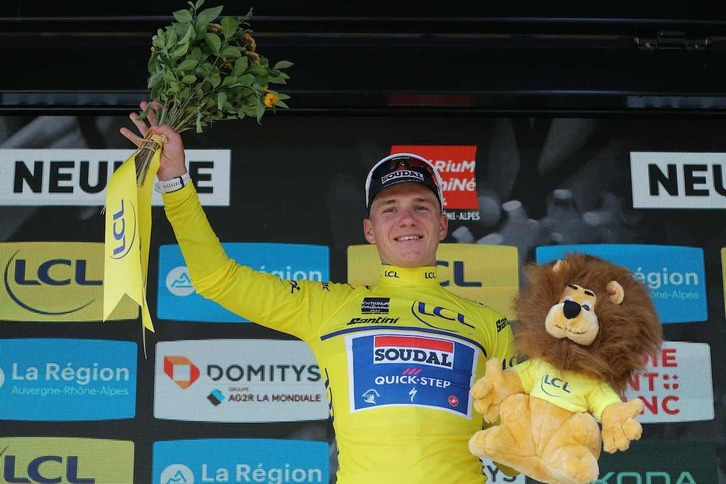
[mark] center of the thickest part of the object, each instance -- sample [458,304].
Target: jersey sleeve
[600,397]
[294,307]
[526,371]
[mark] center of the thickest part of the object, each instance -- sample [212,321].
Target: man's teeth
[408,237]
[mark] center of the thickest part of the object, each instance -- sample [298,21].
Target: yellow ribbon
[128,229]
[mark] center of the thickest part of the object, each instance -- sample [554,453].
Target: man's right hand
[172,162]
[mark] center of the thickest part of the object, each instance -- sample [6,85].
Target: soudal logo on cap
[413,349]
[402,174]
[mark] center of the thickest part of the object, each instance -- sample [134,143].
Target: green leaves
[213,42]
[229,27]
[282,65]
[201,71]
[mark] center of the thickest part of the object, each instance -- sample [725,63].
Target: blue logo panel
[675,275]
[178,300]
[241,460]
[411,369]
[67,379]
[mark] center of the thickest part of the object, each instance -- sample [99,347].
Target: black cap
[402,168]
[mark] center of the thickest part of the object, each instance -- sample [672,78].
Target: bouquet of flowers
[201,71]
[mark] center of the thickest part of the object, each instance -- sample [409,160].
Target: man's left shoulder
[484,311]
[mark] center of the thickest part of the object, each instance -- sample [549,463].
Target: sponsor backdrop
[214,397]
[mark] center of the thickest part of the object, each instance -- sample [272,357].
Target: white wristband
[176,183]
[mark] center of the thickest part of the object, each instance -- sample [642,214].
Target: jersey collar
[394,275]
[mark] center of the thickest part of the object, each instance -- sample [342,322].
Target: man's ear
[444,228]
[368,231]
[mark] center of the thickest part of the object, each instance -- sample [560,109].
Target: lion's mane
[628,331]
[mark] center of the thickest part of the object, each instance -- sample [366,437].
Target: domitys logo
[181,370]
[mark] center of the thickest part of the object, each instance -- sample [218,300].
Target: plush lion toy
[584,326]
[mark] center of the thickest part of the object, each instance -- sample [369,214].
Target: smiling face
[574,316]
[406,225]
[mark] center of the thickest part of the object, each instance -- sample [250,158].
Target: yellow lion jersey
[572,391]
[398,357]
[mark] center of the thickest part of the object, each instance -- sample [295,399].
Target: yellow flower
[270,99]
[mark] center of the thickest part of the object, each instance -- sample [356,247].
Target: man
[398,357]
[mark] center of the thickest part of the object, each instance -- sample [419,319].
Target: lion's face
[573,317]
[587,315]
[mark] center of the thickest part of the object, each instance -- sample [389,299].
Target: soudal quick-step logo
[484,273]
[178,300]
[42,460]
[54,379]
[678,180]
[658,461]
[238,381]
[414,350]
[240,461]
[55,282]
[411,368]
[675,275]
[400,174]
[676,385]
[80,176]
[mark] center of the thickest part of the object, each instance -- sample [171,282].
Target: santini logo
[678,180]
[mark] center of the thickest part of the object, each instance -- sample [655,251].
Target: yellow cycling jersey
[398,357]
[572,391]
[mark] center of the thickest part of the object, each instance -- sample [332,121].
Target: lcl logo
[123,229]
[457,273]
[558,384]
[53,272]
[46,468]
[20,273]
[440,318]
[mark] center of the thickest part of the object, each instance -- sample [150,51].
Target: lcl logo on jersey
[439,317]
[413,349]
[54,281]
